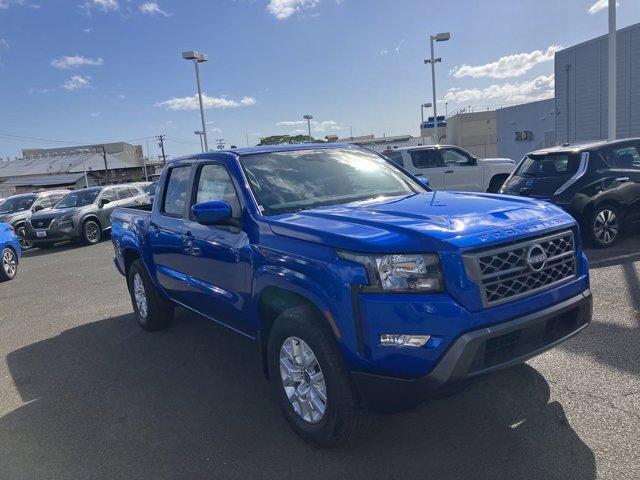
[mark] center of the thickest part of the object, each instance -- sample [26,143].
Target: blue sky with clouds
[92,71]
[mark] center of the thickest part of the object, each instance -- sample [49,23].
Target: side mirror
[212,212]
[37,208]
[423,180]
[473,162]
[104,201]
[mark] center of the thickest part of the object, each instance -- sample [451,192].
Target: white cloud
[39,90]
[95,114]
[283,9]
[600,5]
[103,5]
[536,89]
[215,130]
[4,44]
[121,96]
[191,103]
[384,52]
[87,30]
[507,66]
[320,127]
[75,61]
[5,4]
[77,82]
[152,8]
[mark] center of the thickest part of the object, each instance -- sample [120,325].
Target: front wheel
[606,227]
[25,244]
[313,385]
[9,267]
[91,232]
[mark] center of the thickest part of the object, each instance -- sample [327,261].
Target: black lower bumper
[479,352]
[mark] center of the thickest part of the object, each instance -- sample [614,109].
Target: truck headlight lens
[403,272]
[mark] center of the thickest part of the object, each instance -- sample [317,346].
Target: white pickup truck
[452,168]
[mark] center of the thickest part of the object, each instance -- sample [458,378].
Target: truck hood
[432,221]
[497,161]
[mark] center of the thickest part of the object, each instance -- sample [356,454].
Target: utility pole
[220,143]
[161,140]
[308,118]
[612,70]
[106,167]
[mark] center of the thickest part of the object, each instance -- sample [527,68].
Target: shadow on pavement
[58,247]
[107,400]
[628,250]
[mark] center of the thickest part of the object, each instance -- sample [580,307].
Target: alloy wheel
[9,263]
[303,380]
[606,226]
[140,295]
[22,238]
[92,232]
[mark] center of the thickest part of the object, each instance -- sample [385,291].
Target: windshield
[79,198]
[290,181]
[17,204]
[151,189]
[551,165]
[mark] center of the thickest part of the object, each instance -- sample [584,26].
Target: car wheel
[151,310]
[91,232]
[25,244]
[606,226]
[9,267]
[496,183]
[313,385]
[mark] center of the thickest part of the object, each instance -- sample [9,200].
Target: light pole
[612,72]
[439,37]
[198,58]
[308,118]
[200,133]
[422,107]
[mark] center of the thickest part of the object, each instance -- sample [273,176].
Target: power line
[45,140]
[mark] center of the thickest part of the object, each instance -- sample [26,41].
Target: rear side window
[394,156]
[623,157]
[551,165]
[176,193]
[216,184]
[124,193]
[425,158]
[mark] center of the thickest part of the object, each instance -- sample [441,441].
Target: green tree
[288,139]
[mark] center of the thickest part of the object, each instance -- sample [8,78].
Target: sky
[95,71]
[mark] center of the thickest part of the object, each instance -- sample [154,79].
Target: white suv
[452,168]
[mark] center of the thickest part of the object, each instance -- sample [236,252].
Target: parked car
[362,289]
[81,215]
[452,168]
[598,183]
[150,191]
[10,252]
[16,210]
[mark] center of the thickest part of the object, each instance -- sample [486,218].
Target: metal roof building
[56,164]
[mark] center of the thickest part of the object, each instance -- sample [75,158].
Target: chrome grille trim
[503,274]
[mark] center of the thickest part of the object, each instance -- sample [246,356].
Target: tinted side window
[425,158]
[44,201]
[454,158]
[176,194]
[108,194]
[216,184]
[394,156]
[626,157]
[134,191]
[124,193]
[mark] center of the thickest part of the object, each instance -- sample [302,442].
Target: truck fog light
[397,340]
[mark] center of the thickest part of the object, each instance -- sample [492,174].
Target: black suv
[598,183]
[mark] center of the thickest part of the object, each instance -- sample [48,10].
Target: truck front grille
[520,269]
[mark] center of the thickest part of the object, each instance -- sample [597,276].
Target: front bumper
[53,233]
[481,351]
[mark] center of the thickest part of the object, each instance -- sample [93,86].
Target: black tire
[8,265]
[606,226]
[343,421]
[496,183]
[91,232]
[25,244]
[159,311]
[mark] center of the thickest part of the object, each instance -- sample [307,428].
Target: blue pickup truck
[363,289]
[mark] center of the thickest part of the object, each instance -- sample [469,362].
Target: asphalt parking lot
[85,393]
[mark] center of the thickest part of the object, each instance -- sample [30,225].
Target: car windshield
[550,165]
[151,189]
[18,203]
[297,180]
[78,198]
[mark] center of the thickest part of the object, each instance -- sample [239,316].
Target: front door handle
[448,171]
[622,179]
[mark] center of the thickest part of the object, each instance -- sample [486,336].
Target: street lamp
[308,118]
[198,58]
[440,37]
[422,107]
[200,133]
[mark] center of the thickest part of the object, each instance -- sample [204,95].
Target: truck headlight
[402,272]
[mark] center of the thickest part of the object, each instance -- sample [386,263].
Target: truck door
[215,261]
[461,171]
[427,162]
[166,233]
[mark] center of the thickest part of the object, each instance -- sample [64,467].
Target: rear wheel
[151,310]
[606,226]
[91,232]
[9,266]
[25,244]
[313,385]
